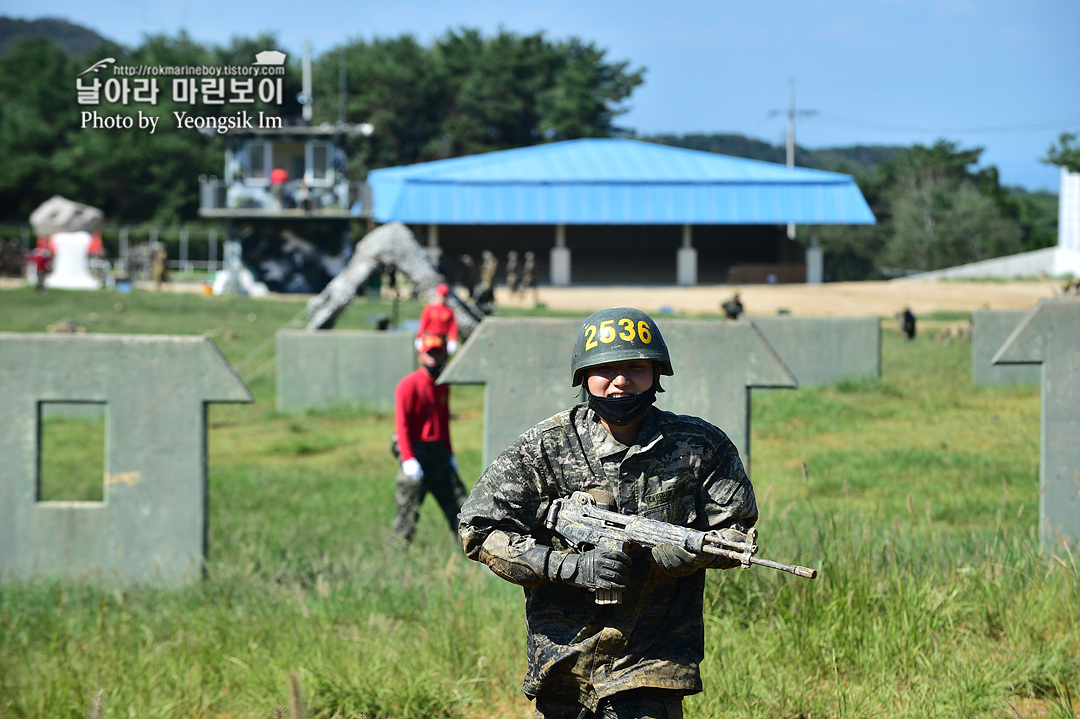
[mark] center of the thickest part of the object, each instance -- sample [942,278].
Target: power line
[1039,125]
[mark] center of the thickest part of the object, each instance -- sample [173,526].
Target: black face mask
[625,409]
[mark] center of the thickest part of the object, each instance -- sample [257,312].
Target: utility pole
[791,113]
[306,99]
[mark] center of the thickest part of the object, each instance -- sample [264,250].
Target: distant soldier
[485,301]
[488,270]
[469,275]
[733,307]
[139,260]
[159,266]
[906,320]
[528,274]
[513,281]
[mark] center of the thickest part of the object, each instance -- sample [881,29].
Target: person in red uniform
[42,258]
[422,425]
[438,319]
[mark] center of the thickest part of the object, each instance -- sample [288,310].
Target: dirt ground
[836,299]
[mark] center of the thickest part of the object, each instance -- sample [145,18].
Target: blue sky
[999,74]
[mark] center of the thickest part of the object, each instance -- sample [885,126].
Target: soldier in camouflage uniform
[638,658]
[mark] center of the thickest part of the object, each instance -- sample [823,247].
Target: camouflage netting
[390,244]
[59,214]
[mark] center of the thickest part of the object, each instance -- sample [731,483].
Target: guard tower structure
[287,205]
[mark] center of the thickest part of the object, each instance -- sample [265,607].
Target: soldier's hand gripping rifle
[582,522]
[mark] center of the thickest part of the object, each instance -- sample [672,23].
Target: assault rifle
[582,522]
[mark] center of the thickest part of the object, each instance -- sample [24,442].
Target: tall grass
[916,496]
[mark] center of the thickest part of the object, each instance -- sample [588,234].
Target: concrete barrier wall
[825,350]
[989,330]
[525,367]
[317,369]
[1050,336]
[151,526]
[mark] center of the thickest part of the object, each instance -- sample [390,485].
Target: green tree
[1038,216]
[136,175]
[944,214]
[37,92]
[131,174]
[587,93]
[933,211]
[516,90]
[1064,153]
[494,88]
[854,252]
[391,84]
[468,93]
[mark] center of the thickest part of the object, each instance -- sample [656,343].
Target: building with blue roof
[626,211]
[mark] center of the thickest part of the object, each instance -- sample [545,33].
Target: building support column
[686,259]
[560,258]
[232,262]
[433,250]
[815,261]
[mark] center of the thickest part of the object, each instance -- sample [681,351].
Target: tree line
[463,94]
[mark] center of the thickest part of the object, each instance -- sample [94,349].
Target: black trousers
[440,479]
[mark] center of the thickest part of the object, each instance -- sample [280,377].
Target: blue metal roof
[613,182]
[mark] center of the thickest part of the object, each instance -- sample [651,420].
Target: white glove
[453,463]
[411,469]
[416,344]
[451,348]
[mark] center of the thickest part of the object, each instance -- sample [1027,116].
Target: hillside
[69,37]
[849,160]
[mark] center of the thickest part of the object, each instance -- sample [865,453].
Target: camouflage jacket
[681,470]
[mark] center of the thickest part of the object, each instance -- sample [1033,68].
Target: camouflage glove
[675,561]
[596,569]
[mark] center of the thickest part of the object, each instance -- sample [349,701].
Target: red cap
[432,342]
[442,289]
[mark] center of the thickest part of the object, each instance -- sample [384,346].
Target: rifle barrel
[795,569]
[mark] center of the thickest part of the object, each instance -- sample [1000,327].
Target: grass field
[915,496]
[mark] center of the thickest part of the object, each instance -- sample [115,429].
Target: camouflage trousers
[633,704]
[440,478]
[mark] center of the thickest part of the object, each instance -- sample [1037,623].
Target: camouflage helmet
[618,334]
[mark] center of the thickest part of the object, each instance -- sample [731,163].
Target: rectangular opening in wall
[71,446]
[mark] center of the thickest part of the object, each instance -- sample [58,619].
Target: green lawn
[916,497]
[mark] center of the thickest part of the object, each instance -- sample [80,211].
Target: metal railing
[220,199]
[189,248]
